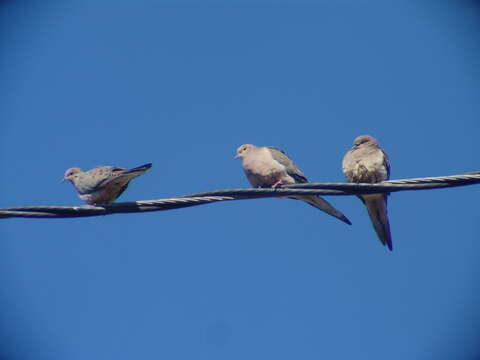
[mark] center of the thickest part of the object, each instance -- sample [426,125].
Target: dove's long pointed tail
[377,210]
[141,168]
[324,205]
[133,173]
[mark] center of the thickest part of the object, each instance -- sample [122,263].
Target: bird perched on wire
[104,184]
[366,162]
[266,166]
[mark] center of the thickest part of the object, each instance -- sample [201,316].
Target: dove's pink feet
[278,184]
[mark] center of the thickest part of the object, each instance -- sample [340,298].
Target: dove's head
[243,150]
[364,139]
[72,174]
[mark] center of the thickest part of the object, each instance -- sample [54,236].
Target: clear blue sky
[181,85]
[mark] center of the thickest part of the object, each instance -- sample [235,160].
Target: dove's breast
[365,166]
[261,169]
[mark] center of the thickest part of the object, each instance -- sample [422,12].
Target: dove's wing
[101,176]
[97,178]
[290,167]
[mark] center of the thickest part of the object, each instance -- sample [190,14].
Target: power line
[241,194]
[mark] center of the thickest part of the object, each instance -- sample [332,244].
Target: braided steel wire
[241,194]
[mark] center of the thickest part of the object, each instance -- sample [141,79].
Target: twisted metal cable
[337,188]
[118,208]
[241,194]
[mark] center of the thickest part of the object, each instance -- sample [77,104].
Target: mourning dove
[103,184]
[266,166]
[366,162]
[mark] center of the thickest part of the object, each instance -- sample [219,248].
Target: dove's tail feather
[130,174]
[141,168]
[324,205]
[377,210]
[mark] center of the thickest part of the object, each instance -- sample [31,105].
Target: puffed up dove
[266,166]
[104,184]
[366,162]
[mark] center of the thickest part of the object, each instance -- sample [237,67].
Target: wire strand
[331,188]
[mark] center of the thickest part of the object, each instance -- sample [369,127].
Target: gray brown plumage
[103,184]
[366,162]
[266,166]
